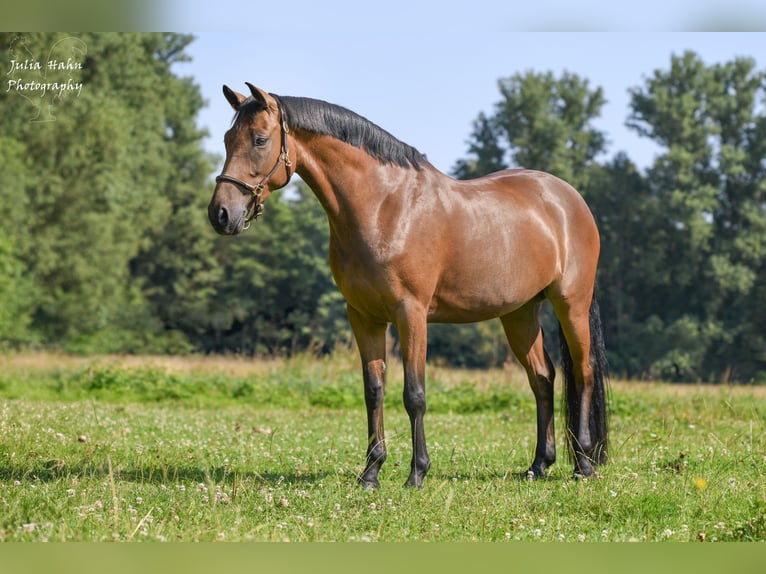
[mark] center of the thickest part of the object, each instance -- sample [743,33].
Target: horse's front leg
[412,327]
[371,340]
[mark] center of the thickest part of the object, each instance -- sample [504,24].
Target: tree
[541,122]
[112,250]
[100,179]
[710,182]
[633,262]
[16,287]
[486,150]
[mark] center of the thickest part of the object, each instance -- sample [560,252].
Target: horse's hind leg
[522,328]
[371,340]
[586,422]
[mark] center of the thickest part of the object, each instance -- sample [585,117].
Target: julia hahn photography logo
[45,79]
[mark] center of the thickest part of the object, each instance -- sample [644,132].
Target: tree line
[106,245]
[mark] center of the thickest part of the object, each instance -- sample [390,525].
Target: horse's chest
[357,277]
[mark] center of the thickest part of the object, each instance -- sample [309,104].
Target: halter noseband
[257,189]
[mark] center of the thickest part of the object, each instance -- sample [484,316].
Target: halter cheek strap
[257,189]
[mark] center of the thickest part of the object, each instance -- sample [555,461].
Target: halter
[257,189]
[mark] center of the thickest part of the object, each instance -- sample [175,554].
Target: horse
[410,245]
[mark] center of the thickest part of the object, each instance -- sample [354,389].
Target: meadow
[231,449]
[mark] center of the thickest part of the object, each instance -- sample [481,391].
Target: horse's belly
[494,281]
[472,305]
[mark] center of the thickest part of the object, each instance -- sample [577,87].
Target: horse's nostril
[223,216]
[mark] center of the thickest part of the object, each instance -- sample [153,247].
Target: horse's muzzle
[226,221]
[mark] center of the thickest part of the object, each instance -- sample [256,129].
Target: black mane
[323,118]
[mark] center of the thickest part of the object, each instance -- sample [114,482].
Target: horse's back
[529,183]
[548,197]
[552,212]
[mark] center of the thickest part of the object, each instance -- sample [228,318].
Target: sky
[425,76]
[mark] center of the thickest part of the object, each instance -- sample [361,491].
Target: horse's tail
[597,420]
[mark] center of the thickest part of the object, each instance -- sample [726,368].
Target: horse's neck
[350,185]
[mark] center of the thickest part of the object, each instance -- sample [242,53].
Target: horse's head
[256,147]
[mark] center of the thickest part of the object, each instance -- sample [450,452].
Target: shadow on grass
[158,473]
[490,475]
[56,471]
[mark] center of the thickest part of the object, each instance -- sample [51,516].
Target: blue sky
[424,77]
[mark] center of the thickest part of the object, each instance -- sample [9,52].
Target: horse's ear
[258,94]
[235,99]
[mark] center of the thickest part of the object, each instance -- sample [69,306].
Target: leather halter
[257,189]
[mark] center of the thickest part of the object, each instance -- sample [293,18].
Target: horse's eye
[260,142]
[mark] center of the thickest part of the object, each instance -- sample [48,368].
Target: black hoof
[369,483]
[584,468]
[537,471]
[414,482]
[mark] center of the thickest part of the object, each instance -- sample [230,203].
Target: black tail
[598,413]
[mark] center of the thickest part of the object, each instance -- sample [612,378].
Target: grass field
[168,449]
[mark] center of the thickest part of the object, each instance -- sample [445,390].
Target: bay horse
[409,245]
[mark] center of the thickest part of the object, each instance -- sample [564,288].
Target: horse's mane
[323,118]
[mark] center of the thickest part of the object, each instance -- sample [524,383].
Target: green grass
[153,450]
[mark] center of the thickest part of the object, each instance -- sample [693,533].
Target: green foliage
[709,184]
[16,288]
[14,298]
[473,346]
[96,180]
[547,122]
[486,149]
[541,122]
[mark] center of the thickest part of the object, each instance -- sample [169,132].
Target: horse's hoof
[535,473]
[414,483]
[369,484]
[578,475]
[583,468]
